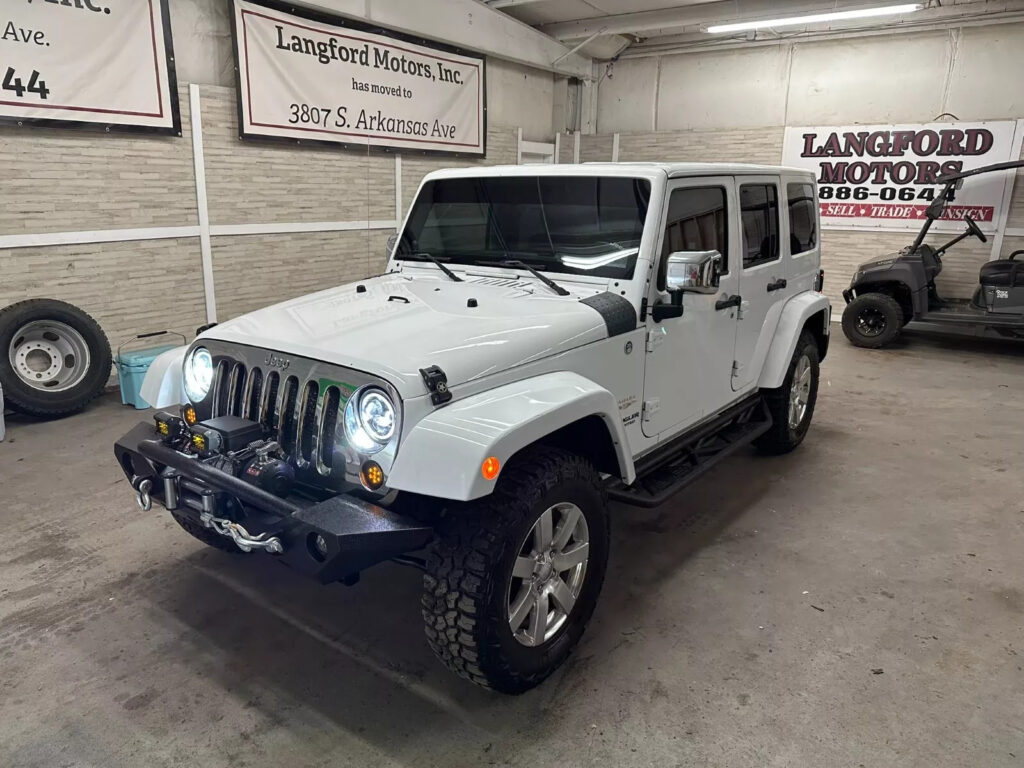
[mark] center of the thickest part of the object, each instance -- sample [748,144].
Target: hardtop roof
[640,169]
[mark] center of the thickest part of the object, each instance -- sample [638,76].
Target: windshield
[583,225]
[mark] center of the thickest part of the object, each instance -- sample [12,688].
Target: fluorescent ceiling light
[817,18]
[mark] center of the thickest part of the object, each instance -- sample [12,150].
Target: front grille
[304,418]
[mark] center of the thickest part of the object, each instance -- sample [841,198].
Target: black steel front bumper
[328,540]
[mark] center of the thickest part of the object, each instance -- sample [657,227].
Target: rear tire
[489,569]
[792,405]
[873,320]
[54,358]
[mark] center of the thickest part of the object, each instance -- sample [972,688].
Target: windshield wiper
[420,255]
[539,275]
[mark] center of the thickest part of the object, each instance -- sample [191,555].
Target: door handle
[728,301]
[778,285]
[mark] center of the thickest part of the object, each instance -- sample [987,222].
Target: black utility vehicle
[888,293]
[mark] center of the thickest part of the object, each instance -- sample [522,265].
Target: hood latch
[437,383]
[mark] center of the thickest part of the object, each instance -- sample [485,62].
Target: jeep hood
[394,325]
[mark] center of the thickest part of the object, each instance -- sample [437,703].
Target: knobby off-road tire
[479,566]
[873,320]
[792,404]
[205,535]
[54,358]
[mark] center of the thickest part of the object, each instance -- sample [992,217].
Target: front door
[762,275]
[689,359]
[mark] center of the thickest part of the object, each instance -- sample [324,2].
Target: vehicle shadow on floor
[268,635]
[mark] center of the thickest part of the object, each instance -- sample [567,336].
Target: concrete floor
[857,603]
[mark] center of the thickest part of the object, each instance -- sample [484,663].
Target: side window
[697,221]
[803,219]
[759,206]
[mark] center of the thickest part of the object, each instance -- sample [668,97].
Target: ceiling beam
[511,3]
[694,16]
[468,24]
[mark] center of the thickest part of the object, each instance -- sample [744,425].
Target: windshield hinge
[737,367]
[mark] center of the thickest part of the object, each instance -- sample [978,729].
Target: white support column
[576,148]
[519,146]
[1004,216]
[199,161]
[558,147]
[399,213]
[615,147]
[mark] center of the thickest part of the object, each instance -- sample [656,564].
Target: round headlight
[198,374]
[370,420]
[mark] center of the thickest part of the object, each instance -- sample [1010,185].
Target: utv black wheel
[512,580]
[54,358]
[205,535]
[872,320]
[792,404]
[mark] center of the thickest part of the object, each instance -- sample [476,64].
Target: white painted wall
[516,95]
[973,72]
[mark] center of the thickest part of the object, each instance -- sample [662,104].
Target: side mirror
[694,271]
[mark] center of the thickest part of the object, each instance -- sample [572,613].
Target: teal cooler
[133,365]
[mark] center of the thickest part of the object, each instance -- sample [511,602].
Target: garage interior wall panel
[253,271]
[128,287]
[66,181]
[256,182]
[597,148]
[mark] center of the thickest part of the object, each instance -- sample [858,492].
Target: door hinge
[655,339]
[651,407]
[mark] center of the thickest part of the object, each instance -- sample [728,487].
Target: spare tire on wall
[54,358]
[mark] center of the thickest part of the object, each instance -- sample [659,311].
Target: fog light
[189,414]
[200,443]
[168,426]
[321,545]
[371,475]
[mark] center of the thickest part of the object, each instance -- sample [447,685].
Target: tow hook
[142,497]
[237,533]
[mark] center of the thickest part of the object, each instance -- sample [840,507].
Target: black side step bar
[668,470]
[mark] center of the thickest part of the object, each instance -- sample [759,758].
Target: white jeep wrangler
[544,339]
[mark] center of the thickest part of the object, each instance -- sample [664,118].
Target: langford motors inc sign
[310,77]
[876,176]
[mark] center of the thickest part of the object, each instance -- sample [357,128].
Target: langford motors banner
[310,77]
[82,62]
[885,175]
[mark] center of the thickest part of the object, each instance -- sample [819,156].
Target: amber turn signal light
[189,414]
[490,468]
[371,475]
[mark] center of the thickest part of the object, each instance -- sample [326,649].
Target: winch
[233,445]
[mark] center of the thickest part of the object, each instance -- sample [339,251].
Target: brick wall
[74,181]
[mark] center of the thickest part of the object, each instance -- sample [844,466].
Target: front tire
[873,320]
[792,405]
[513,578]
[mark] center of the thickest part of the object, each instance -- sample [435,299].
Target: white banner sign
[105,62]
[317,78]
[884,176]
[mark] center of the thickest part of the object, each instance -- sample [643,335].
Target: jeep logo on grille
[274,361]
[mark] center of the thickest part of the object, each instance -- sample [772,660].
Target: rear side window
[803,219]
[696,222]
[759,206]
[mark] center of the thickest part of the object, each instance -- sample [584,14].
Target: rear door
[763,279]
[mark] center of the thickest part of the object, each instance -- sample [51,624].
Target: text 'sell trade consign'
[319,78]
[875,176]
[88,63]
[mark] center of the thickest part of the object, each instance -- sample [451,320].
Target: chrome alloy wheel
[49,356]
[548,574]
[799,391]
